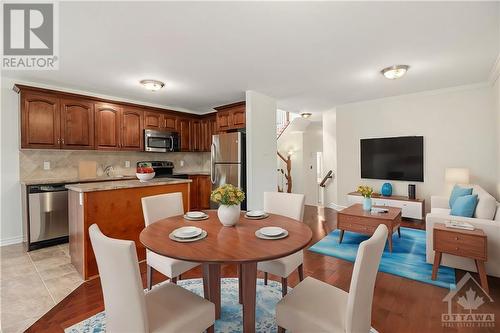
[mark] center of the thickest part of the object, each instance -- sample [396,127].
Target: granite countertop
[192,173]
[46,181]
[122,184]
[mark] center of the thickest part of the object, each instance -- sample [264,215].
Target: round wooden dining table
[229,245]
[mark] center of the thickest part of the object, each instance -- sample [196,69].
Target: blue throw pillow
[458,192]
[464,206]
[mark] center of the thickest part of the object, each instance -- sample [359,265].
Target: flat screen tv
[398,158]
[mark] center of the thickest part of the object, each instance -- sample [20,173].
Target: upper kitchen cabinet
[197,138]
[231,117]
[208,128]
[185,134]
[40,121]
[132,125]
[107,126]
[77,124]
[160,121]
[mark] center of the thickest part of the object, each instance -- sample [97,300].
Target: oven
[161,141]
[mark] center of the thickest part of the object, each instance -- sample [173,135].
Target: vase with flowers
[229,197]
[366,192]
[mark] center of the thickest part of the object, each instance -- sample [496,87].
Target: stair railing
[329,175]
[287,174]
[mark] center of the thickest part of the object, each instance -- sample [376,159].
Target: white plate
[196,219]
[195,215]
[256,213]
[187,232]
[271,231]
[261,236]
[187,240]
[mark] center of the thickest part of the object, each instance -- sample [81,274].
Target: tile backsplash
[65,163]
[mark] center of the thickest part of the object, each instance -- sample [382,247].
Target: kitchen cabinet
[185,134]
[231,117]
[60,120]
[200,191]
[208,128]
[107,126]
[196,135]
[40,121]
[77,124]
[132,125]
[160,121]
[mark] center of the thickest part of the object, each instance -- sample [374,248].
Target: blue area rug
[407,258]
[231,312]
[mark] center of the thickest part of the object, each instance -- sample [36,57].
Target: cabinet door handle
[58,141]
[62,140]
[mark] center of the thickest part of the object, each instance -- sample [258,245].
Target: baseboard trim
[11,240]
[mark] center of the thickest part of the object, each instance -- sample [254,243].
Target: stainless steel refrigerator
[227,159]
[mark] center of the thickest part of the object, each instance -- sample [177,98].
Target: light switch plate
[46,165]
[127,164]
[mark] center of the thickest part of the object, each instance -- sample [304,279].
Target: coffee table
[355,219]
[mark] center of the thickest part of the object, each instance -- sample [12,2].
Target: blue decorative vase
[386,190]
[367,204]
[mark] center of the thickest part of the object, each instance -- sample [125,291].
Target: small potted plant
[229,197]
[366,192]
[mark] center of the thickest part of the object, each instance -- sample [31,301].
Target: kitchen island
[115,206]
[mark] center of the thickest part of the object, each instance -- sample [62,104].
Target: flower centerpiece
[366,192]
[229,197]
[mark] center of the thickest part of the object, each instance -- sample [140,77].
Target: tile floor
[32,283]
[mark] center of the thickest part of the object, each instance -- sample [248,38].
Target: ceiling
[309,56]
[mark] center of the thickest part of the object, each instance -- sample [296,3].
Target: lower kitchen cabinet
[201,187]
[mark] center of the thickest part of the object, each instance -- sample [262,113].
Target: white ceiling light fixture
[306,115]
[395,71]
[153,85]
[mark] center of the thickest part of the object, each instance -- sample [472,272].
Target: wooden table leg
[249,277]
[240,285]
[389,238]
[341,236]
[482,275]
[437,262]
[211,273]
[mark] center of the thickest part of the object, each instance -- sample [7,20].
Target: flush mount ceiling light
[306,115]
[152,85]
[395,72]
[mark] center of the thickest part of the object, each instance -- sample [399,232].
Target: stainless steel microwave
[161,141]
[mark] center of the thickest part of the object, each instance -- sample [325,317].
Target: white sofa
[486,217]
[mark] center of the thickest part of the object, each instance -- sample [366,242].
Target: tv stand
[410,208]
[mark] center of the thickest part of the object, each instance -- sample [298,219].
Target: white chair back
[287,204]
[124,300]
[359,302]
[161,206]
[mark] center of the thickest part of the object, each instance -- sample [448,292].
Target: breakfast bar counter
[116,208]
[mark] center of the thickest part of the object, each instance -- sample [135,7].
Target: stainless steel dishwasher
[47,215]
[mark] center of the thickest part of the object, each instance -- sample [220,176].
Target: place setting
[256,215]
[196,216]
[271,233]
[187,234]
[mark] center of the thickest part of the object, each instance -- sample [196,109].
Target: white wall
[330,155]
[10,224]
[312,143]
[304,144]
[261,147]
[496,90]
[458,126]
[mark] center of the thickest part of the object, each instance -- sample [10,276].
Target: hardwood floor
[399,304]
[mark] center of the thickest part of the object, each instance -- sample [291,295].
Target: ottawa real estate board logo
[469,305]
[30,36]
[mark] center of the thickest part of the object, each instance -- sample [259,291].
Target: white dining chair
[166,308]
[315,306]
[155,208]
[290,205]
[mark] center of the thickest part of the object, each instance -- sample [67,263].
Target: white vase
[229,215]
